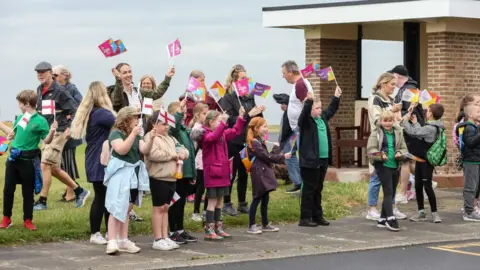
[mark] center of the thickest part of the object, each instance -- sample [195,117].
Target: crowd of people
[129,154]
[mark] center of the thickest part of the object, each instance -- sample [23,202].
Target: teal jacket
[182,134]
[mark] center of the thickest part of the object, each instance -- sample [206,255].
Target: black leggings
[389,179]
[177,210]
[263,209]
[98,210]
[234,150]
[423,179]
[199,193]
[19,172]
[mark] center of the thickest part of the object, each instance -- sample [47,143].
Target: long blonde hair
[233,77]
[96,95]
[384,78]
[199,107]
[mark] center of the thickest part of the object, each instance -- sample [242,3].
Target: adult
[65,107]
[94,119]
[231,104]
[285,130]
[69,164]
[379,102]
[301,86]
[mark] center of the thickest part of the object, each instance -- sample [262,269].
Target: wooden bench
[361,140]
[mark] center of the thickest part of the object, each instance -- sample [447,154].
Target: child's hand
[398,155]
[181,156]
[309,96]
[241,112]
[338,91]
[396,107]
[384,157]
[153,133]
[255,111]
[136,130]
[276,144]
[288,155]
[54,126]
[413,118]
[224,117]
[10,136]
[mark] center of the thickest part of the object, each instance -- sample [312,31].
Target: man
[283,136]
[65,107]
[301,87]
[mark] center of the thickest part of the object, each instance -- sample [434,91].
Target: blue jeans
[293,166]
[374,189]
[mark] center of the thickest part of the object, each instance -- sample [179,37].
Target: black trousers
[98,210]
[311,202]
[177,210]
[423,179]
[200,190]
[389,179]
[263,209]
[19,172]
[238,167]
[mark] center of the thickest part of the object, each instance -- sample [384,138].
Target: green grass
[64,222]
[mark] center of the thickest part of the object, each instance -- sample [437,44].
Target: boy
[177,210]
[385,147]
[24,152]
[470,146]
[315,156]
[421,139]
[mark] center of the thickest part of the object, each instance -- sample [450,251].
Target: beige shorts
[52,153]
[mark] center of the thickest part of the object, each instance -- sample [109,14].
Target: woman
[69,164]
[230,103]
[93,121]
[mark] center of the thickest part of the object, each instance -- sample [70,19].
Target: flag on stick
[48,107]
[427,98]
[24,120]
[193,84]
[174,48]
[325,74]
[410,95]
[242,87]
[165,117]
[261,90]
[307,71]
[147,107]
[175,198]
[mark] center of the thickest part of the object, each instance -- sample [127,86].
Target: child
[387,140]
[421,139]
[470,146]
[177,211]
[161,162]
[216,166]
[126,178]
[315,156]
[199,114]
[262,173]
[23,162]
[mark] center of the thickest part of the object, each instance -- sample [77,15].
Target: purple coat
[262,172]
[216,165]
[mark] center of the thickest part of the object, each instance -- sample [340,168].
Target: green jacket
[182,134]
[375,142]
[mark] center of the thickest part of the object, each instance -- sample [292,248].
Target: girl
[199,114]
[262,173]
[93,121]
[161,162]
[231,105]
[216,167]
[126,178]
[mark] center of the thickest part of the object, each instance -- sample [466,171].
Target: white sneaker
[373,215]
[434,185]
[172,243]
[401,199]
[196,217]
[162,244]
[399,215]
[112,247]
[98,239]
[128,246]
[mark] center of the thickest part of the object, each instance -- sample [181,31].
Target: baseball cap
[43,66]
[400,70]
[281,98]
[126,112]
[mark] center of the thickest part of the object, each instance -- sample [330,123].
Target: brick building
[441,48]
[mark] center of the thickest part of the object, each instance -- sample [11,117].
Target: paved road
[411,258]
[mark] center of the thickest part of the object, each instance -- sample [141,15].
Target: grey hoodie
[422,138]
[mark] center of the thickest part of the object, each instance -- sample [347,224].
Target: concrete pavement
[353,233]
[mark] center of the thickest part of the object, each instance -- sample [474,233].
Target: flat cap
[43,66]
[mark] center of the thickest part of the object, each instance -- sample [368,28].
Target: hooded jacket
[422,137]
[471,141]
[377,104]
[182,134]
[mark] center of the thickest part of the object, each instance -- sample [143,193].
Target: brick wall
[342,56]
[453,71]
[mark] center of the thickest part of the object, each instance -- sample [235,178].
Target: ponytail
[252,134]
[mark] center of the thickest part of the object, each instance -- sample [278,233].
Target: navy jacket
[65,106]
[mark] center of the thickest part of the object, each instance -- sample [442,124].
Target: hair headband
[210,115]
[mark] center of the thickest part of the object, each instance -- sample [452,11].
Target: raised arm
[216,134]
[236,130]
[332,108]
[304,118]
[162,88]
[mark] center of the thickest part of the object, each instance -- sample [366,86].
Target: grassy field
[64,222]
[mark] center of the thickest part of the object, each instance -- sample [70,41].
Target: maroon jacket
[212,105]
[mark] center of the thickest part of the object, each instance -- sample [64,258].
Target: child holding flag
[161,161]
[23,162]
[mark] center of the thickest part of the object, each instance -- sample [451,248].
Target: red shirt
[44,90]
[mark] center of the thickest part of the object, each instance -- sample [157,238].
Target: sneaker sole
[372,218]
[437,221]
[84,200]
[254,233]
[163,249]
[98,243]
[418,220]
[129,251]
[392,229]
[270,230]
[192,241]
[213,240]
[471,219]
[381,226]
[112,252]
[401,218]
[10,225]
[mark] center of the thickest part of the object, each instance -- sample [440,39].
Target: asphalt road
[409,258]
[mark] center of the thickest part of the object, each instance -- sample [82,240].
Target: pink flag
[174,48]
[242,87]
[193,85]
[307,71]
[106,48]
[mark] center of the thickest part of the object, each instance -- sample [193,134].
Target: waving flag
[251,85]
[316,66]
[242,87]
[261,90]
[326,74]
[307,71]
[410,95]
[24,121]
[119,47]
[193,85]
[175,198]
[165,117]
[48,107]
[111,48]
[147,107]
[174,48]
[217,91]
[201,93]
[428,98]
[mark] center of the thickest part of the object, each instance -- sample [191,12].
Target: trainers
[294,189]
[436,218]
[98,239]
[135,217]
[270,228]
[188,237]
[321,221]
[6,223]
[420,216]
[229,210]
[162,244]
[191,198]
[196,217]
[373,215]
[254,229]
[82,198]
[392,225]
[29,225]
[128,246]
[39,206]
[399,215]
[177,238]
[474,216]
[243,208]
[172,243]
[381,223]
[402,199]
[112,247]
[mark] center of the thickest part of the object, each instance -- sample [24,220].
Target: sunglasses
[55,75]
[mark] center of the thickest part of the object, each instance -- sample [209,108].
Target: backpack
[437,154]
[106,153]
[459,129]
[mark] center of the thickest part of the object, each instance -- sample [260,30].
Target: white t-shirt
[295,103]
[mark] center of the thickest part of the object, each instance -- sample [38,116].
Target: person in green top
[28,129]
[386,148]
